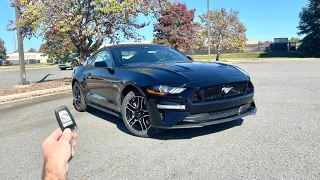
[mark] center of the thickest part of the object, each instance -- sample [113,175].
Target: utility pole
[208,4]
[23,76]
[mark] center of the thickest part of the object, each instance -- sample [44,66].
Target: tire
[63,69]
[139,125]
[79,102]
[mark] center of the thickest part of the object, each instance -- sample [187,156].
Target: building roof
[27,55]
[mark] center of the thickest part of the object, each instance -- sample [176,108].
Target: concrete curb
[38,93]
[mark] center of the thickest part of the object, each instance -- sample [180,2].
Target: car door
[104,84]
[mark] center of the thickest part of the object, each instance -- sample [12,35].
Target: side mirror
[189,57]
[101,64]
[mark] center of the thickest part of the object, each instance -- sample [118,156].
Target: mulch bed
[35,87]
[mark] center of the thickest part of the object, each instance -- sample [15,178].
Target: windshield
[148,54]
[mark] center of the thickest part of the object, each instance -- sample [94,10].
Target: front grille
[222,91]
[224,113]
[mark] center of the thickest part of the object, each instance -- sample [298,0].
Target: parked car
[4,62]
[153,86]
[64,65]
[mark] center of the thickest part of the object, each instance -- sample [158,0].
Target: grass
[252,55]
[28,66]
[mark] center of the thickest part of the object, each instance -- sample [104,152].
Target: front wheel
[135,115]
[79,102]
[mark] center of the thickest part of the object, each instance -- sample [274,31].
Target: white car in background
[65,65]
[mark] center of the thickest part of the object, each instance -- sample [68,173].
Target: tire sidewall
[83,105]
[150,132]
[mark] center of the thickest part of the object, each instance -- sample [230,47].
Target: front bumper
[205,119]
[199,114]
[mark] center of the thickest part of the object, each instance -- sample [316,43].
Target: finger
[56,134]
[67,134]
[74,143]
[67,167]
[74,135]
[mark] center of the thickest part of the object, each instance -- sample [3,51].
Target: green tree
[294,39]
[175,27]
[260,43]
[88,23]
[32,50]
[309,26]
[3,50]
[227,31]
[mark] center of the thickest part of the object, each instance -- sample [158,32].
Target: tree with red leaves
[32,50]
[175,27]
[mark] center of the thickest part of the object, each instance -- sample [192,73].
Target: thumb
[67,135]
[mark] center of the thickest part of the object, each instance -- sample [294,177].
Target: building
[252,42]
[30,58]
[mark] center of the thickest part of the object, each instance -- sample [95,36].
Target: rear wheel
[135,115]
[79,102]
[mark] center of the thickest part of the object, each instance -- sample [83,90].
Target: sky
[264,20]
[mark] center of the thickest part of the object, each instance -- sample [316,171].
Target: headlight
[162,90]
[243,71]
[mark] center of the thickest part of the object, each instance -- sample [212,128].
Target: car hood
[179,74]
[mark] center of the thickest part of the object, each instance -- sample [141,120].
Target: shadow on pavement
[110,118]
[170,134]
[195,132]
[44,78]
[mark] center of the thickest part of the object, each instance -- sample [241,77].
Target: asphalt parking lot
[12,77]
[280,142]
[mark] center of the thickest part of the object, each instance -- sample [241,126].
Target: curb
[38,93]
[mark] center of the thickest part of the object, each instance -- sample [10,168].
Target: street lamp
[208,4]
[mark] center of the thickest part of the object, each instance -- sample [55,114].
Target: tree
[227,31]
[88,23]
[260,43]
[197,39]
[58,46]
[175,27]
[3,50]
[32,50]
[293,39]
[309,26]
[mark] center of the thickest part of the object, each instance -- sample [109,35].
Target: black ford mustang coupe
[153,86]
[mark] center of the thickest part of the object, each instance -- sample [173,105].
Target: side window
[89,62]
[104,56]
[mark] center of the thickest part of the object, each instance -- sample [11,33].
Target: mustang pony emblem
[226,89]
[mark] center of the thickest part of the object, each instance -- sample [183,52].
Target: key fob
[65,118]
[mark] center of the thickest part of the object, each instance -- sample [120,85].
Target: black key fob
[65,118]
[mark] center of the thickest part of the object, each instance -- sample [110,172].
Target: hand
[57,151]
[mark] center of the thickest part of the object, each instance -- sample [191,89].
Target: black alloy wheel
[135,115]
[78,98]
